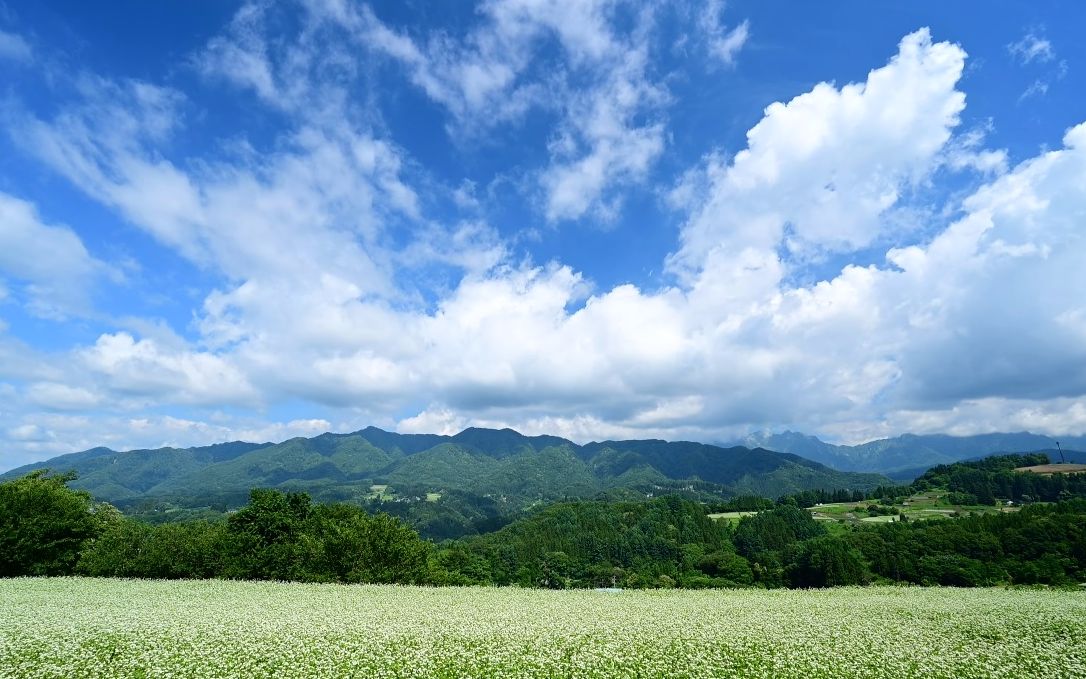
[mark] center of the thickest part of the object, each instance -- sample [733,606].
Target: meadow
[74,627]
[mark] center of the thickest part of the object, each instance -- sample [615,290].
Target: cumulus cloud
[825,166]
[141,368]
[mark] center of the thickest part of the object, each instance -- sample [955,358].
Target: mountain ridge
[902,455]
[484,462]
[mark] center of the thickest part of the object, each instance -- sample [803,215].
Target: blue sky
[597,219]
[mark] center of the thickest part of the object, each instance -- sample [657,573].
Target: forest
[47,528]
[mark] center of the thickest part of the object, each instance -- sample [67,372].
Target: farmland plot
[71,627]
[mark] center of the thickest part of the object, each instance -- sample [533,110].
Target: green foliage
[130,548]
[984,481]
[827,562]
[352,546]
[50,529]
[775,530]
[44,524]
[276,536]
[727,568]
[1038,545]
[595,544]
[265,536]
[743,503]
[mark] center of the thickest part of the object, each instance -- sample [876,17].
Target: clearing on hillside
[1046,469]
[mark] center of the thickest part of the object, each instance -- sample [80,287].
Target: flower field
[72,627]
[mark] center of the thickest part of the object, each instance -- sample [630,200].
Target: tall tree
[43,524]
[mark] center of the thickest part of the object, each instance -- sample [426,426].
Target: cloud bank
[342,288]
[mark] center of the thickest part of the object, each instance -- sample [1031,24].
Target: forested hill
[504,465]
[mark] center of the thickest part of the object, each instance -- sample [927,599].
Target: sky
[591,218]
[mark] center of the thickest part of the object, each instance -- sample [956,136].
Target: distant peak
[487,430]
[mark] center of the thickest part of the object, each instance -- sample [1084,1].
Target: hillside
[907,456]
[515,469]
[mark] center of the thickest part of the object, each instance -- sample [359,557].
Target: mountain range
[519,470]
[501,464]
[907,456]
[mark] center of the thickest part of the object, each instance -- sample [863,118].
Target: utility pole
[1062,460]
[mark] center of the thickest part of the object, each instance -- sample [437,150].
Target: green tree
[342,542]
[134,549]
[827,562]
[265,536]
[44,524]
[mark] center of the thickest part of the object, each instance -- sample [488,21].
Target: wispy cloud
[50,261]
[1032,47]
[1036,50]
[723,43]
[14,47]
[500,69]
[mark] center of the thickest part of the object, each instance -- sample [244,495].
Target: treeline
[663,542]
[48,529]
[974,482]
[984,481]
[1041,544]
[669,542]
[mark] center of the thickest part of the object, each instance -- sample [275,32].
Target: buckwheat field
[113,628]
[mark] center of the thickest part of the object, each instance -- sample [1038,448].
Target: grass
[380,492]
[730,516]
[923,506]
[72,627]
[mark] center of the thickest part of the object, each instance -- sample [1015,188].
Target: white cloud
[437,421]
[1054,417]
[26,432]
[498,71]
[981,318]
[52,261]
[314,204]
[826,166]
[1032,47]
[14,47]
[966,152]
[724,44]
[40,436]
[57,396]
[241,57]
[600,147]
[143,369]
[728,45]
[160,432]
[1038,88]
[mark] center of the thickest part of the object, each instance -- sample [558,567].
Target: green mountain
[908,454]
[379,466]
